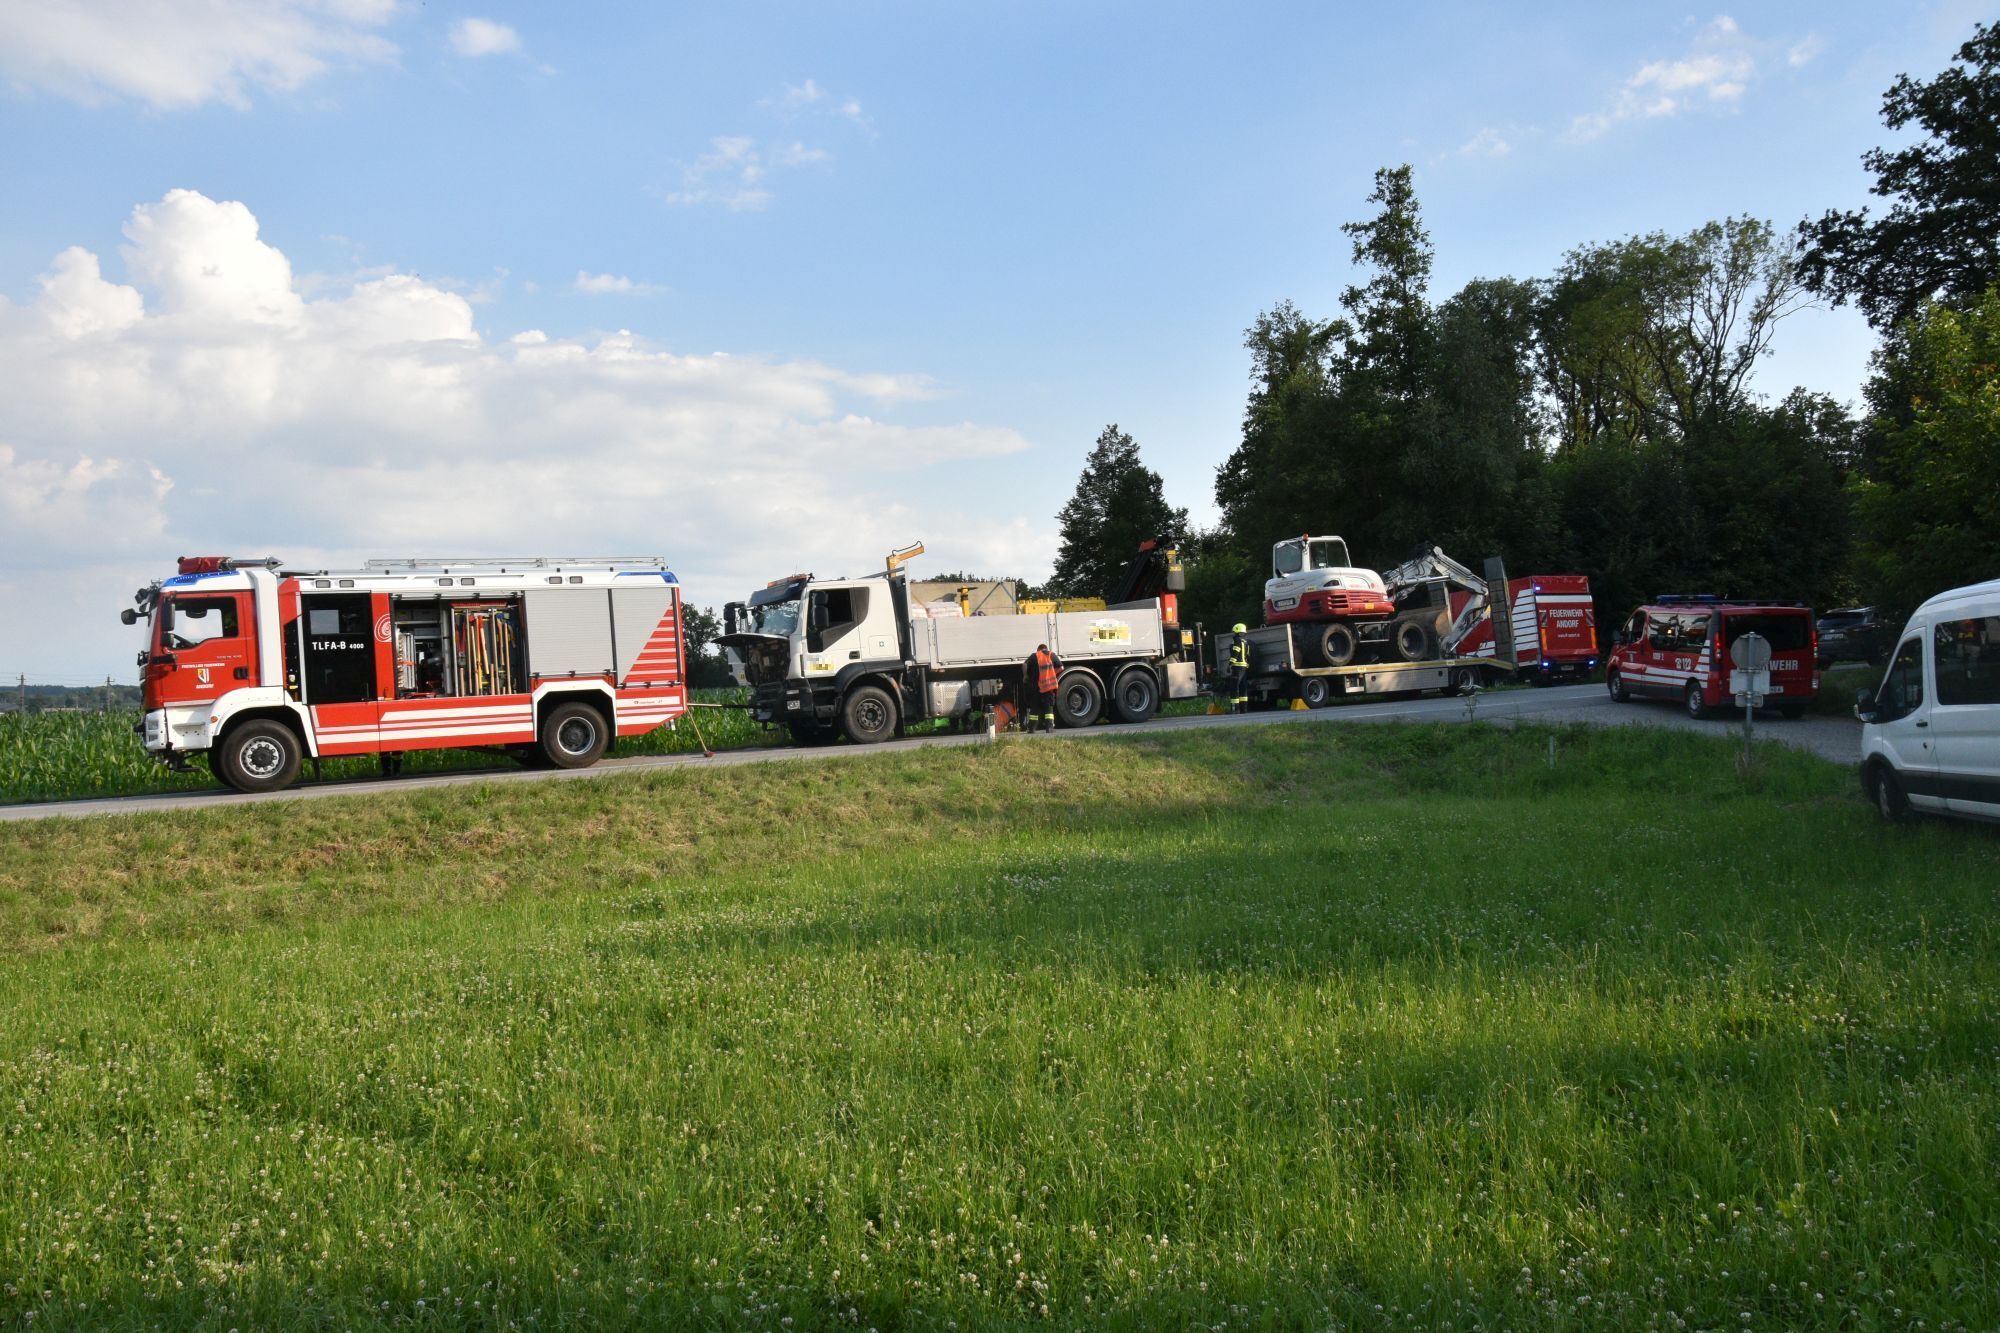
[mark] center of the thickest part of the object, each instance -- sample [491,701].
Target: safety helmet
[1238,629]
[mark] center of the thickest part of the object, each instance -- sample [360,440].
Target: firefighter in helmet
[1039,675]
[1239,669]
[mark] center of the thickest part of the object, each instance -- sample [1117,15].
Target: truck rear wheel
[1338,643]
[261,755]
[1079,700]
[1135,696]
[1412,639]
[573,735]
[869,716]
[1315,692]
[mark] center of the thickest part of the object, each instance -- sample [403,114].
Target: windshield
[1329,553]
[778,619]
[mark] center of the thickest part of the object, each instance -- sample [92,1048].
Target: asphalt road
[1838,739]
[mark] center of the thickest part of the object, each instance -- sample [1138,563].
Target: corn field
[60,756]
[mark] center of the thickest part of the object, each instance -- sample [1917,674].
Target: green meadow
[1280,1027]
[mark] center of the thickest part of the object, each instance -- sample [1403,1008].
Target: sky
[763,287]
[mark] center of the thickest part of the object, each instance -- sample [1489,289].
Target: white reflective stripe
[1564,598]
[451,710]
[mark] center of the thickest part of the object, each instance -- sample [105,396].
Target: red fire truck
[1555,627]
[260,666]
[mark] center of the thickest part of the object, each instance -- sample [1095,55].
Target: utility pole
[24,693]
[107,694]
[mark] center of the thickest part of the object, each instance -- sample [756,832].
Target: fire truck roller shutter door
[569,631]
[648,650]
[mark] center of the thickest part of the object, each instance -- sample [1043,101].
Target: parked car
[1931,739]
[1854,634]
[1678,648]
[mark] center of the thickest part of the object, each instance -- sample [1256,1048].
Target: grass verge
[1265,1027]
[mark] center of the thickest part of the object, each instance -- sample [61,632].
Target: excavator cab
[1297,555]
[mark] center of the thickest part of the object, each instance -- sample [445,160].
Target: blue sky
[882,271]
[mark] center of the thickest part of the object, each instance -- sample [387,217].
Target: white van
[1931,742]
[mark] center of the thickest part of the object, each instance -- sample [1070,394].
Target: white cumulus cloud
[206,403]
[1713,73]
[475,37]
[182,53]
[1489,142]
[609,284]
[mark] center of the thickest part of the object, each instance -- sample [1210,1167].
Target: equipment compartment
[453,649]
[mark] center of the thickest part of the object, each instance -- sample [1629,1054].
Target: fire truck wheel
[1697,707]
[1463,682]
[260,756]
[1079,700]
[1338,643]
[1135,695]
[1412,640]
[573,735]
[1315,692]
[1616,684]
[869,716]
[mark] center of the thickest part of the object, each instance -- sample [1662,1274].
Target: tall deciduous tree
[1655,337]
[1929,505]
[1941,234]
[1119,503]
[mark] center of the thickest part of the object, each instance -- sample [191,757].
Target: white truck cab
[1930,740]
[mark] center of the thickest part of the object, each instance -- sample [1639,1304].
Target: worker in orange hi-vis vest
[1039,675]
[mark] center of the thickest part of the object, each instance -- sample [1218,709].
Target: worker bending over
[1039,675]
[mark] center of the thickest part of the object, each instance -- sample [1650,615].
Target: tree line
[1600,419]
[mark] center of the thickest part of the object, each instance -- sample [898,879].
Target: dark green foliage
[1928,497]
[1599,421]
[1119,503]
[706,669]
[1941,235]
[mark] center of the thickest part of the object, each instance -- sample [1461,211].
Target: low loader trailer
[1453,631]
[852,657]
[1279,675]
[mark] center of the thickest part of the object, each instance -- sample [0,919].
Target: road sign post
[1750,680]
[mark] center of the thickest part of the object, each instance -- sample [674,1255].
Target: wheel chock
[1300,706]
[1216,710]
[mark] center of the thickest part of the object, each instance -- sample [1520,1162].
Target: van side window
[1693,632]
[1664,632]
[1967,653]
[1902,691]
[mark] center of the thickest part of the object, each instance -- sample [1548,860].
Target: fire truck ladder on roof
[503,564]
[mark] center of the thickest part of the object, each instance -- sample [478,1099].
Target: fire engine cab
[1678,648]
[261,667]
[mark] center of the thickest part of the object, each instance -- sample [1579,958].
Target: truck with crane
[826,658]
[258,667]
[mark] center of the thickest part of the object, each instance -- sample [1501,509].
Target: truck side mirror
[128,616]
